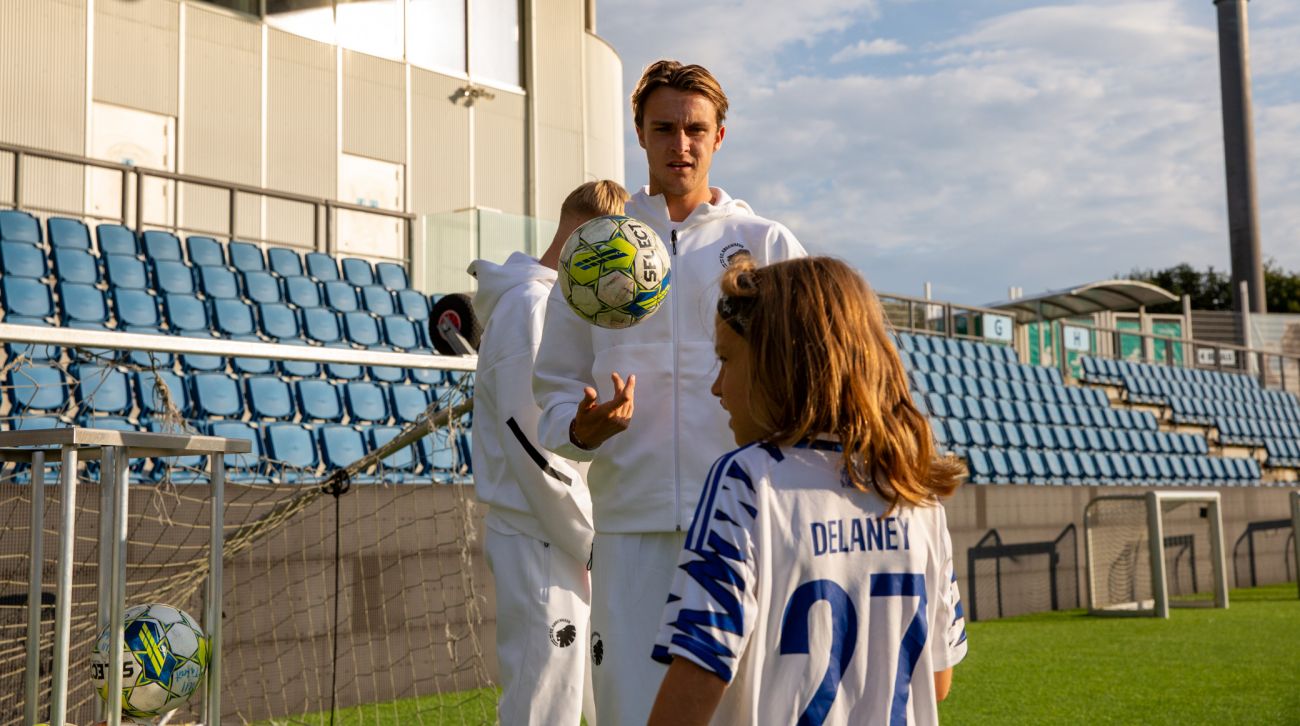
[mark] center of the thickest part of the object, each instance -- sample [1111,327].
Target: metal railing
[937,317]
[132,178]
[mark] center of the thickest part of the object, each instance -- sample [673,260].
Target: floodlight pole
[1295,532]
[1239,155]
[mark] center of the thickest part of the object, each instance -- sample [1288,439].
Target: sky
[983,144]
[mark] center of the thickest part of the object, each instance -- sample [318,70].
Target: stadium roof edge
[1093,297]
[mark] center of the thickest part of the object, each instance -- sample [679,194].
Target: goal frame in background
[1295,537]
[1154,502]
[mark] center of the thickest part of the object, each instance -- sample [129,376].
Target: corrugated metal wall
[440,151]
[136,54]
[606,100]
[558,102]
[302,140]
[500,168]
[43,97]
[222,122]
[374,107]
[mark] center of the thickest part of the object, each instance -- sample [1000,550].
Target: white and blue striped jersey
[815,605]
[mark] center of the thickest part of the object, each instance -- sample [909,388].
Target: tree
[1212,290]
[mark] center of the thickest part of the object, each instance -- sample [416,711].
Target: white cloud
[1041,147]
[866,48]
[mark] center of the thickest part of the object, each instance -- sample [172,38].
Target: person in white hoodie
[650,453]
[539,526]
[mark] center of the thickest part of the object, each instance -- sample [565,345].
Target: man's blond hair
[595,199]
[688,78]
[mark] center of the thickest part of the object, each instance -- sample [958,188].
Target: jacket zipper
[677,473]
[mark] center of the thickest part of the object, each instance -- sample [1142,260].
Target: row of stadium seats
[1252,432]
[1113,372]
[979,368]
[116,240]
[1160,391]
[958,435]
[1017,411]
[954,347]
[286,452]
[994,385]
[1013,466]
[110,391]
[1205,413]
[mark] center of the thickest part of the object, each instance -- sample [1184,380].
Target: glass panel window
[494,41]
[436,34]
[309,18]
[373,27]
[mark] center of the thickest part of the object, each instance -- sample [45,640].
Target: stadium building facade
[477,116]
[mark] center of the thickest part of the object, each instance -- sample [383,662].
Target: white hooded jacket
[527,489]
[649,477]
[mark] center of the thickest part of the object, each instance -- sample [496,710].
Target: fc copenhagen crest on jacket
[563,633]
[730,252]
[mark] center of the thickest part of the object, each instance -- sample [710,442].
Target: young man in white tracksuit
[650,453]
[539,527]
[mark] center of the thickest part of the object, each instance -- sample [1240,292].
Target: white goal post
[1125,542]
[1295,533]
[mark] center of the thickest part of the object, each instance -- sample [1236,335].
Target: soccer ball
[163,660]
[614,271]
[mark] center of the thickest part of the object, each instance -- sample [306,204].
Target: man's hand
[597,422]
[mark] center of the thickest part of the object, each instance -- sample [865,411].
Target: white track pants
[543,625]
[630,578]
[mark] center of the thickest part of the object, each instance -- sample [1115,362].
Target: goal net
[1148,553]
[408,639]
[1008,579]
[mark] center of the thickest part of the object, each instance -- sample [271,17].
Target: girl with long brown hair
[817,581]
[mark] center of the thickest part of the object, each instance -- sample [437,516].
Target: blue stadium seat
[392,276]
[103,390]
[321,325]
[358,271]
[366,402]
[293,445]
[284,261]
[341,296]
[442,455]
[218,283]
[400,333]
[37,388]
[377,300]
[344,371]
[386,374]
[75,265]
[126,271]
[233,318]
[981,471]
[1038,473]
[21,259]
[408,402]
[251,366]
[298,368]
[340,445]
[319,400]
[205,252]
[64,232]
[81,303]
[19,226]
[152,402]
[279,321]
[32,351]
[361,329]
[270,397]
[246,257]
[402,461]
[262,287]
[1001,467]
[322,267]
[240,467]
[26,298]
[428,376]
[136,308]
[161,245]
[114,239]
[171,276]
[216,395]
[302,291]
[186,315]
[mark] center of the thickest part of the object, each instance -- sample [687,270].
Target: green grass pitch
[1235,666]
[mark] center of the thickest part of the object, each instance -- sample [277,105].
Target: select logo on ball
[614,271]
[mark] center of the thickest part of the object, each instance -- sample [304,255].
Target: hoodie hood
[653,210]
[495,280]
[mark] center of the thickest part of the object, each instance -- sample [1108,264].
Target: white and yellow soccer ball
[164,657]
[614,271]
